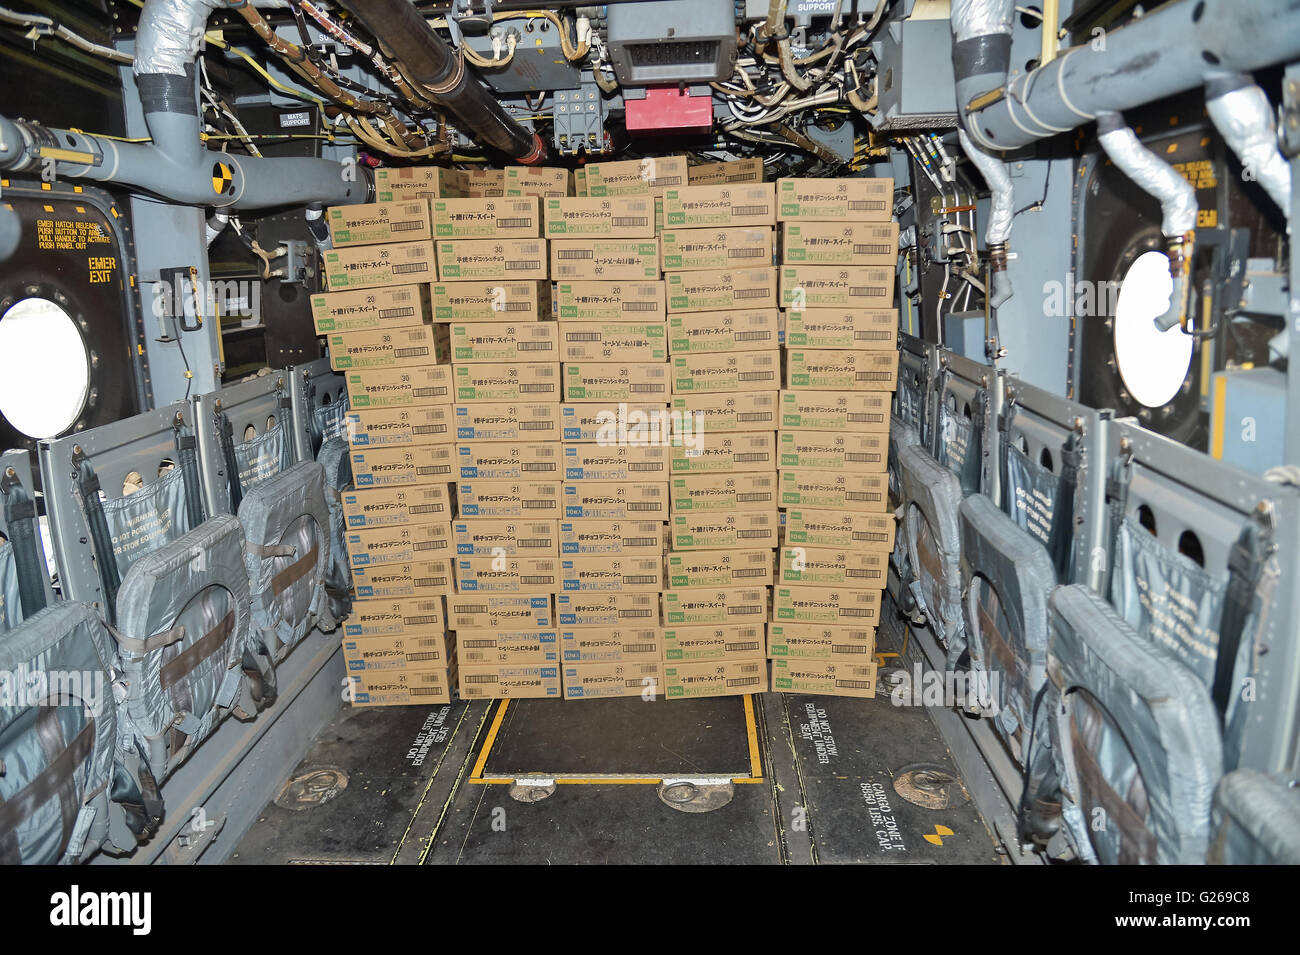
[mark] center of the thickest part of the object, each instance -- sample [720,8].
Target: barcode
[405,312]
[875,536]
[430,581]
[668,181]
[647,389]
[520,222]
[744,610]
[640,541]
[860,205]
[870,248]
[749,210]
[753,336]
[429,429]
[850,612]
[428,392]
[537,579]
[582,337]
[410,267]
[858,291]
[406,226]
[640,306]
[741,647]
[575,253]
[417,657]
[854,684]
[749,293]
[534,426]
[628,614]
[640,648]
[430,545]
[867,418]
[535,389]
[849,648]
[864,574]
[410,352]
[534,346]
[540,466]
[535,542]
[862,496]
[513,307]
[621,221]
[753,535]
[477,644]
[523,265]
[425,690]
[745,253]
[652,492]
[872,376]
[538,505]
[743,681]
[420,620]
[424,508]
[872,336]
[434,469]
[870,457]
[760,496]
[756,376]
[400,295]
[750,456]
[751,572]
[473,608]
[480,677]
[754,416]
[640,578]
[642,506]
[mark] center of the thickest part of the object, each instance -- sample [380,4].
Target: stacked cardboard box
[838,252]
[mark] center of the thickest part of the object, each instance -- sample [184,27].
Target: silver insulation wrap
[1245,119]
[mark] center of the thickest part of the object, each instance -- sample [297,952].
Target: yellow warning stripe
[751,728]
[66,155]
[1216,418]
[487,745]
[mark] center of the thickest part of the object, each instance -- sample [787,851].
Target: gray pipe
[1170,50]
[1001,212]
[1241,113]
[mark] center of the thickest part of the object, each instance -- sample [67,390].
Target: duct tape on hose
[976,18]
[11,608]
[168,92]
[147,519]
[1002,203]
[169,34]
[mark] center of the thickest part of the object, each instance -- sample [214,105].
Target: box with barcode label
[840,528]
[379,427]
[613,217]
[409,464]
[502,537]
[578,182]
[368,266]
[826,605]
[388,348]
[837,286]
[400,387]
[814,640]
[397,651]
[507,381]
[601,681]
[618,462]
[393,506]
[508,681]
[490,301]
[628,573]
[635,176]
[729,642]
[754,329]
[508,460]
[506,421]
[690,250]
[596,301]
[832,567]
[737,170]
[397,306]
[713,291]
[729,453]
[405,687]
[616,609]
[857,199]
[492,647]
[833,451]
[610,644]
[419,578]
[615,381]
[723,412]
[739,371]
[708,493]
[809,242]
[609,423]
[505,575]
[834,370]
[543,181]
[589,538]
[414,616]
[499,612]
[375,223]
[725,205]
[615,500]
[720,568]
[533,499]
[466,260]
[834,490]
[398,183]
[605,259]
[482,183]
[710,530]
[613,341]
[527,341]
[861,411]
[824,677]
[841,328]
[505,218]
[403,543]
[688,681]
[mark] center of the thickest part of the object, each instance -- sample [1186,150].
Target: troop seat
[931,495]
[24,581]
[1256,820]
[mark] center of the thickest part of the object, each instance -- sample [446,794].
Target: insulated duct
[1001,212]
[437,70]
[1241,113]
[1177,206]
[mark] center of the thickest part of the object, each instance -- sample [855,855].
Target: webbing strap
[295,572]
[189,461]
[286,443]
[1137,844]
[1117,484]
[180,666]
[101,540]
[226,435]
[1253,547]
[1060,536]
[58,774]
[155,642]
[50,735]
[20,521]
[1004,445]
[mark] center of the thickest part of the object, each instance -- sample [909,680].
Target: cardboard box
[544,181]
[421,578]
[377,223]
[825,370]
[633,424]
[714,291]
[726,412]
[844,329]
[532,499]
[607,610]
[755,329]
[711,530]
[807,640]
[580,182]
[493,647]
[517,218]
[616,500]
[689,570]
[727,453]
[508,681]
[507,381]
[397,651]
[383,427]
[386,348]
[468,260]
[611,217]
[398,183]
[635,176]
[490,301]
[843,200]
[605,259]
[505,575]
[831,677]
[718,173]
[482,183]
[368,266]
[740,371]
[837,286]
[507,421]
[397,306]
[630,574]
[816,528]
[688,681]
[713,493]
[411,616]
[506,612]
[613,341]
[709,606]
[610,301]
[806,488]
[400,387]
[492,537]
[483,342]
[619,462]
[833,451]
[594,681]
[727,205]
[411,464]
[689,250]
[611,645]
[615,381]
[730,642]
[508,460]
[590,538]
[831,567]
[400,687]
[826,605]
[400,544]
[808,242]
[830,411]
[396,506]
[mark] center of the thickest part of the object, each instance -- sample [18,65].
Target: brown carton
[507,421]
[712,291]
[595,681]
[635,176]
[721,206]
[408,182]
[526,341]
[492,537]
[369,266]
[412,616]
[499,612]
[615,500]
[544,181]
[826,605]
[840,529]
[725,412]
[831,567]
[688,681]
[400,387]
[690,250]
[493,647]
[711,530]
[607,610]
[379,427]
[580,182]
[718,173]
[808,242]
[832,411]
[728,642]
[410,464]
[507,381]
[392,506]
[397,651]
[483,183]
[710,493]
[396,306]
[840,328]
[833,451]
[376,223]
[532,499]
[387,348]
[617,462]
[611,645]
[825,677]
[727,453]
[399,544]
[505,575]
[631,423]
[836,286]
[719,568]
[615,381]
[613,341]
[846,200]
[490,301]
[608,260]
[509,681]
[812,640]
[420,578]
[834,490]
[517,218]
[709,606]
[591,538]
[508,460]
[629,574]
[614,217]
[827,370]
[755,329]
[610,301]
[480,260]
[406,687]
[739,371]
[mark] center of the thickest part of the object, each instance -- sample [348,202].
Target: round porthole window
[1152,363]
[44,368]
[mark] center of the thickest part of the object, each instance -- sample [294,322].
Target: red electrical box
[665,109]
